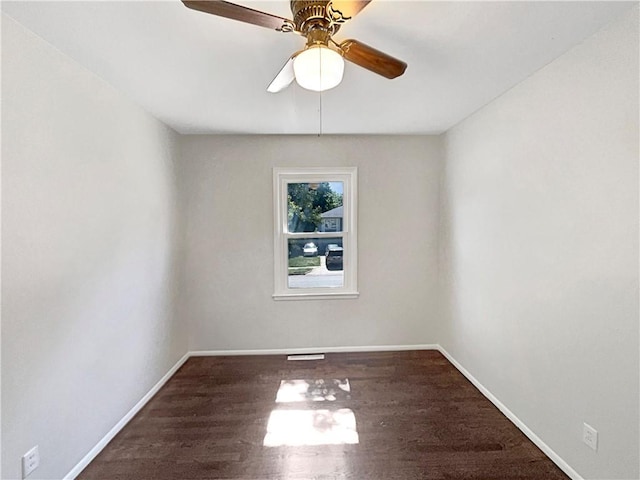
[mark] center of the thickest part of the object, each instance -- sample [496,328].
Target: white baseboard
[86,460]
[555,458]
[297,351]
[564,466]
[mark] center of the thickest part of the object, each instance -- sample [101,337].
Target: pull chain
[320,119]
[320,129]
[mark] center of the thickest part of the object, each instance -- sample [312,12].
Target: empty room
[294,240]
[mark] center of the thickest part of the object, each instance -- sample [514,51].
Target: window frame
[282,176]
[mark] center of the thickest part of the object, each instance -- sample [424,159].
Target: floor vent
[306,356]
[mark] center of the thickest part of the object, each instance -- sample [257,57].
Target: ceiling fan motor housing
[309,15]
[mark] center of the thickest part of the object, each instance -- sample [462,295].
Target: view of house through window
[315,262]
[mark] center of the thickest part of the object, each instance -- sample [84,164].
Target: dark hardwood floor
[416,417]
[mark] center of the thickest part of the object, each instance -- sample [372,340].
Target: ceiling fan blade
[372,59]
[284,77]
[343,10]
[240,13]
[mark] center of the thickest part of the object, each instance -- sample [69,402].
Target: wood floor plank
[416,417]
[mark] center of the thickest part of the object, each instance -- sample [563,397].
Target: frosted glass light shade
[318,68]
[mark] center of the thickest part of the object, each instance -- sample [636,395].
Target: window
[315,225]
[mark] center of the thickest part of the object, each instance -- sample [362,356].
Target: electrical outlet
[30,461]
[590,436]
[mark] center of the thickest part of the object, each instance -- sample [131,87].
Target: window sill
[315,296]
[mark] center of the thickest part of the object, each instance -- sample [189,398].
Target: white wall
[540,246]
[229,243]
[89,226]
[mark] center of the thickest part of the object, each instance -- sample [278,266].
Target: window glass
[315,263]
[315,207]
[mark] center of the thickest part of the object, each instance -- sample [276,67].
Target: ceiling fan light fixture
[318,68]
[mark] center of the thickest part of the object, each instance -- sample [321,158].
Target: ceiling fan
[320,65]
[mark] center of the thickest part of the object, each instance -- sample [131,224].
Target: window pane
[315,207]
[315,263]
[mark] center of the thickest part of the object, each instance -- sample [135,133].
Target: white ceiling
[204,74]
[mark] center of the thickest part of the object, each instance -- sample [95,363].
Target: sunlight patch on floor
[313,390]
[311,427]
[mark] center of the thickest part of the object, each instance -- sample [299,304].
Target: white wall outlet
[590,436]
[30,461]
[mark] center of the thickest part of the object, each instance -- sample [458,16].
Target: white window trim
[349,178]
